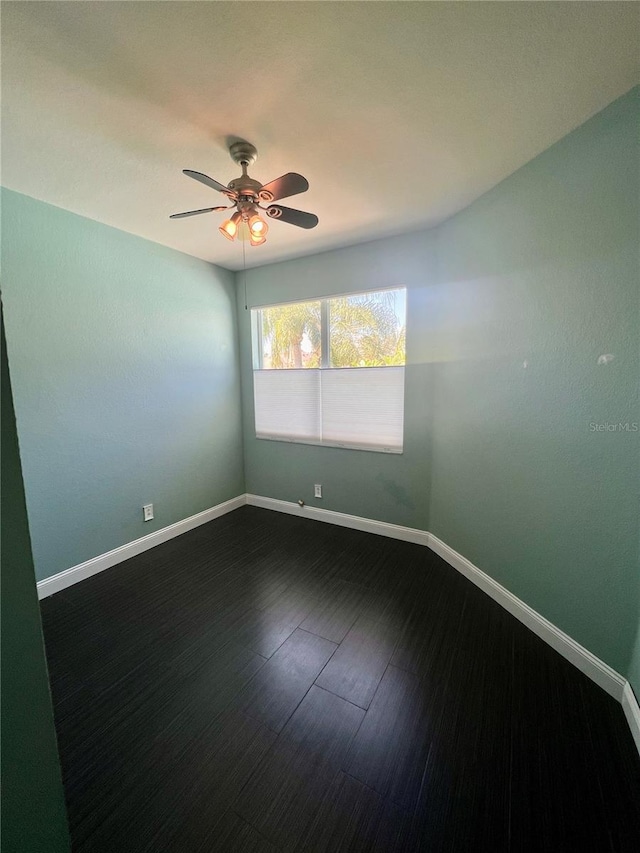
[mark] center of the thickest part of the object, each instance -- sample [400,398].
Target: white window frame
[257,356]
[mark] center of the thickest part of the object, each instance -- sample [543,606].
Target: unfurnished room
[320,426]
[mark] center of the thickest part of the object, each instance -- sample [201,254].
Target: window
[331,371]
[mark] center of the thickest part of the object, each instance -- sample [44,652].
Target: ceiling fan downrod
[248,189]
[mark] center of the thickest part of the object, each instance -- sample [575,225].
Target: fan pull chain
[244,273]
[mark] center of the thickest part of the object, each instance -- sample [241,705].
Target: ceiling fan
[245,195]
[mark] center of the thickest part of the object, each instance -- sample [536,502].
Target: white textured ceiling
[399,114]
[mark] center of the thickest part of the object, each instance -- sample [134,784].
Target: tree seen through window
[363,330]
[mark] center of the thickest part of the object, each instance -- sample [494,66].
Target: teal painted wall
[375,485]
[500,459]
[33,811]
[633,672]
[544,269]
[125,374]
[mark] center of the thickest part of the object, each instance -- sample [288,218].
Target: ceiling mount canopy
[243,153]
[245,194]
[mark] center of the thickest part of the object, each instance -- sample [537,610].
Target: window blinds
[346,407]
[287,404]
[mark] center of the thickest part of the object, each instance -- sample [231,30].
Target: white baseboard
[588,663]
[632,712]
[355,522]
[596,669]
[55,583]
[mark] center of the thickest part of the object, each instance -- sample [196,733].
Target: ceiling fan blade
[285,185]
[207,181]
[195,212]
[293,217]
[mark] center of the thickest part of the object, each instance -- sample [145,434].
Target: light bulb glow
[257,226]
[229,227]
[245,227]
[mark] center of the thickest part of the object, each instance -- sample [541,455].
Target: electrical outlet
[317,490]
[148,512]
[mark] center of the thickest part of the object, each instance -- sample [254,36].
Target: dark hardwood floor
[267,683]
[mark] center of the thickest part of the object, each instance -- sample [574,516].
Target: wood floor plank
[390,751]
[558,733]
[465,793]
[232,833]
[73,645]
[432,625]
[182,810]
[291,606]
[277,689]
[357,667]
[354,818]
[285,793]
[342,604]
[262,632]
[109,740]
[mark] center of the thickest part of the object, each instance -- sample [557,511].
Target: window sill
[335,444]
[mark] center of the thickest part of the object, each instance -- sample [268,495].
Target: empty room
[320,427]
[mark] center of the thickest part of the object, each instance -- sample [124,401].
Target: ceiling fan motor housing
[245,186]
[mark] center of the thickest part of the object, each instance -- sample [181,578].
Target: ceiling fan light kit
[245,194]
